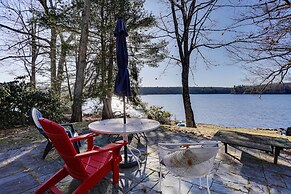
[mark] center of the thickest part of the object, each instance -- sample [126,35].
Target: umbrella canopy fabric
[122,84]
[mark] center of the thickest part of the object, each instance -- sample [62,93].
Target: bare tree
[188,24]
[20,23]
[265,47]
[39,34]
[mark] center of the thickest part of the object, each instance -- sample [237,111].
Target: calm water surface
[250,111]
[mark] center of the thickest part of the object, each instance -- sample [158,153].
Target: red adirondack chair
[89,167]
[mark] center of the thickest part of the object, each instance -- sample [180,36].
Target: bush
[157,113]
[16,100]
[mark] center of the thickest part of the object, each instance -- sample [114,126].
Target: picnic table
[268,143]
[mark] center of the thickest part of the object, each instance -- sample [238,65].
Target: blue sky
[226,74]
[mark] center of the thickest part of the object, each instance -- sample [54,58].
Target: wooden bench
[253,141]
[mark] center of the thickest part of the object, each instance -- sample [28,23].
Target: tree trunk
[107,112]
[81,65]
[61,64]
[53,42]
[33,56]
[62,60]
[110,66]
[190,122]
[107,109]
[53,56]
[68,82]
[106,65]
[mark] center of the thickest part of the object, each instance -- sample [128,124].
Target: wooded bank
[272,89]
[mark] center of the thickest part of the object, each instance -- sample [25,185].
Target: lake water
[249,111]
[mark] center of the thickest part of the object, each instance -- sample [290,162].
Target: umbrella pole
[124,113]
[124,121]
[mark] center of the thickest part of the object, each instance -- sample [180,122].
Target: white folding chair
[188,160]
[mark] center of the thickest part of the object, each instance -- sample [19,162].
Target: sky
[8,74]
[226,74]
[169,75]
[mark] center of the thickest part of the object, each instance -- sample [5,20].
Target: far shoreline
[271,89]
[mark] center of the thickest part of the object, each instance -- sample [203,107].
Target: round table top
[116,126]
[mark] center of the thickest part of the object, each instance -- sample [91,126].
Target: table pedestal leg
[127,163]
[125,154]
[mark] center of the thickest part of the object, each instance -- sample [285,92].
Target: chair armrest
[69,125]
[89,137]
[82,137]
[87,154]
[113,146]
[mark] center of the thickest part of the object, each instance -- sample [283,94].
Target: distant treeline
[178,90]
[271,89]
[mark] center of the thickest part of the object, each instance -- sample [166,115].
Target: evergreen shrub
[157,113]
[16,100]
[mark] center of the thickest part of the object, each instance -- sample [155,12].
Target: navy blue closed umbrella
[122,84]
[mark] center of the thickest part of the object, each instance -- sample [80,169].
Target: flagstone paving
[241,171]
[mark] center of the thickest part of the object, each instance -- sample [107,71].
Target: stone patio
[241,171]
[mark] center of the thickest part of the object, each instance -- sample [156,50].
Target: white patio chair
[188,160]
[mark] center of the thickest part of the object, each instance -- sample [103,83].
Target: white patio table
[116,126]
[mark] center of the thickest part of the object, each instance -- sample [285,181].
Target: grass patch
[12,138]
[208,131]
